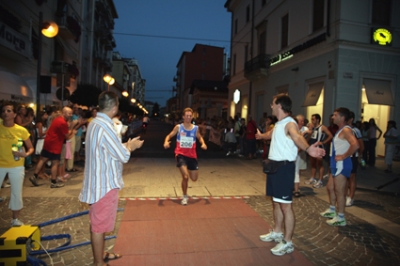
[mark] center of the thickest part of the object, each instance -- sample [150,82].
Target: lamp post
[50,30]
[109,80]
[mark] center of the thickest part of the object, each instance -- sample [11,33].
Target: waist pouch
[271,166]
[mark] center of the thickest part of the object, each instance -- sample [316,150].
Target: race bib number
[314,134]
[186,142]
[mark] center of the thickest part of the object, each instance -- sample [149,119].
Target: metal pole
[39,63]
[62,84]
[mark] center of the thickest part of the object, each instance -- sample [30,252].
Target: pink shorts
[103,213]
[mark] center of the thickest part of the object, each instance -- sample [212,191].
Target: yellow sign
[382,36]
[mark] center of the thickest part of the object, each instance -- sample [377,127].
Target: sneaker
[1,199]
[184,200]
[229,153]
[328,213]
[326,176]
[336,222]
[56,185]
[16,222]
[241,155]
[272,236]
[349,202]
[282,248]
[311,181]
[33,180]
[319,184]
[5,185]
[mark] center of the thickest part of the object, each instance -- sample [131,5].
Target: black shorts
[354,161]
[190,163]
[50,156]
[280,185]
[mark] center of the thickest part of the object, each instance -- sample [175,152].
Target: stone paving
[358,243]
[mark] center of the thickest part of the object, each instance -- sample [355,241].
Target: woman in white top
[372,138]
[391,140]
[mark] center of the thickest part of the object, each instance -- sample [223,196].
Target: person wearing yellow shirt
[12,162]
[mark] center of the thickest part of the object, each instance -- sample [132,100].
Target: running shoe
[336,221]
[328,213]
[272,236]
[56,185]
[33,180]
[184,200]
[16,222]
[326,176]
[282,248]
[311,181]
[349,202]
[229,153]
[319,184]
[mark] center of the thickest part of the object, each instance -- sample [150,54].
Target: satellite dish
[59,94]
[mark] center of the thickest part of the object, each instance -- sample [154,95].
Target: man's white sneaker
[335,221]
[272,236]
[328,213]
[326,176]
[229,153]
[319,184]
[311,181]
[282,248]
[184,200]
[349,202]
[16,222]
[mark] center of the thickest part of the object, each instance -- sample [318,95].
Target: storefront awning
[14,88]
[379,91]
[313,94]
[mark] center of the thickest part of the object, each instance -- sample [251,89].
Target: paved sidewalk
[371,237]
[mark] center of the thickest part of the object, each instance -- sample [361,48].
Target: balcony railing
[69,27]
[257,67]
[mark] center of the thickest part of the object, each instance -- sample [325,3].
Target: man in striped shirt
[105,155]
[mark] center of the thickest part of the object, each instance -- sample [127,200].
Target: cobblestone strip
[358,243]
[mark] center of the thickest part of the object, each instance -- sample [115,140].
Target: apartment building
[204,62]
[324,53]
[81,52]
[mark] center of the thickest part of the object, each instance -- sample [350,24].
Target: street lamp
[50,30]
[133,100]
[109,80]
[125,94]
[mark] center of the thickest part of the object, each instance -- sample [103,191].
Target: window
[248,13]
[285,31]
[246,52]
[318,14]
[263,2]
[381,12]
[236,26]
[262,43]
[234,65]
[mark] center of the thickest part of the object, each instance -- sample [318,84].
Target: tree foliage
[86,94]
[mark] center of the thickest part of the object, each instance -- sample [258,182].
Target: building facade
[204,62]
[324,53]
[81,52]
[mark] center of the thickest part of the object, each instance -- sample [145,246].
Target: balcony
[69,27]
[257,67]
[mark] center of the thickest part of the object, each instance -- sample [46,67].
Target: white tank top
[282,146]
[341,145]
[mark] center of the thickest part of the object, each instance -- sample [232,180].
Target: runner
[344,144]
[185,151]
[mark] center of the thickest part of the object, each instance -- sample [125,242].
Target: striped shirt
[105,155]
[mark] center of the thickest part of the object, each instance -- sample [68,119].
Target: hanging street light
[50,30]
